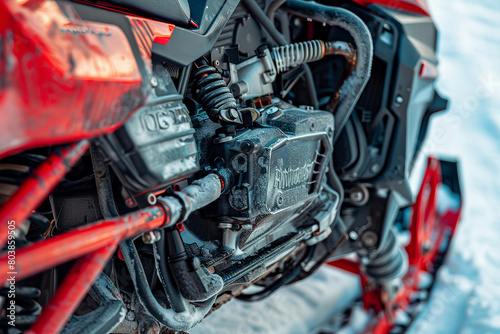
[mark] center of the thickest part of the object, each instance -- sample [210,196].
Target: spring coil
[293,55]
[211,92]
[27,309]
[390,262]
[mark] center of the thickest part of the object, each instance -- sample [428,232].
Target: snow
[466,297]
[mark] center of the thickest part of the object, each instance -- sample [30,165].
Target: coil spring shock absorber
[390,261]
[13,172]
[293,55]
[211,92]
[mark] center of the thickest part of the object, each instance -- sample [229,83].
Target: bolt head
[232,113]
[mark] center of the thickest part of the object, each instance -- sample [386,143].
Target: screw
[353,235]
[216,63]
[369,238]
[154,82]
[280,200]
[399,99]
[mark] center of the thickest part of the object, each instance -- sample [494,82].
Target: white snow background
[466,297]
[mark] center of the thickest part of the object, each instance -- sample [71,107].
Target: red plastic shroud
[428,231]
[63,79]
[412,6]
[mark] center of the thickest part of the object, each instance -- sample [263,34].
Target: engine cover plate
[276,167]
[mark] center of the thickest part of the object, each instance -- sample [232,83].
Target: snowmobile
[159,157]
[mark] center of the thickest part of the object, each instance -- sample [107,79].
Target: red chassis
[429,230]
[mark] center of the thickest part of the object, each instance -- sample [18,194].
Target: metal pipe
[351,89]
[38,186]
[72,291]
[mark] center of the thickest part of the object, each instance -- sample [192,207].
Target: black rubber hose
[351,89]
[262,18]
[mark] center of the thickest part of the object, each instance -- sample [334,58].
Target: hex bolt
[216,63]
[369,238]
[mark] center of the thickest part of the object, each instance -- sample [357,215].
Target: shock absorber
[389,262]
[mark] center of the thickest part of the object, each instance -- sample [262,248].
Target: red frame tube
[45,254]
[72,291]
[38,186]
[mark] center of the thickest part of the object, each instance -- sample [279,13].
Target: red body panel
[63,79]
